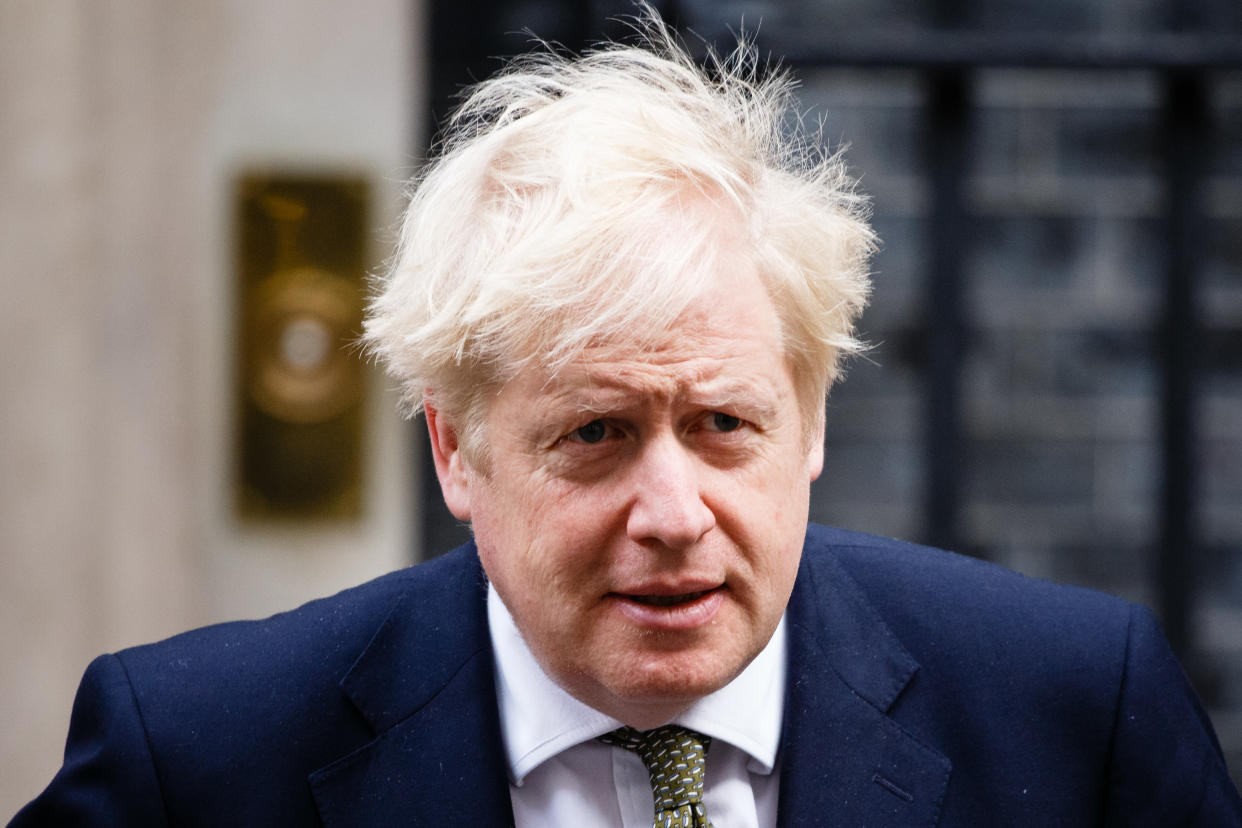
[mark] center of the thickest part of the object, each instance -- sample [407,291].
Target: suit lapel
[425,684]
[843,760]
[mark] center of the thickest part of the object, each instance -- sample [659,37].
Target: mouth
[669,600]
[663,610]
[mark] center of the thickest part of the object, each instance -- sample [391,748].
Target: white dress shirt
[560,776]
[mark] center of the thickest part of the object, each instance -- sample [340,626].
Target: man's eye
[725,422]
[592,432]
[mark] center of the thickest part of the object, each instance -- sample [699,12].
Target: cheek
[537,542]
[769,500]
[767,514]
[502,536]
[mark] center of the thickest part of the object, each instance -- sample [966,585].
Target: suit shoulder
[321,623]
[929,594]
[313,643]
[1031,689]
[251,707]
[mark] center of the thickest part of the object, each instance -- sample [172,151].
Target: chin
[673,679]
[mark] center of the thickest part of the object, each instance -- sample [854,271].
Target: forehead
[726,343]
[748,377]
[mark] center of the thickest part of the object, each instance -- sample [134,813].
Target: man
[622,293]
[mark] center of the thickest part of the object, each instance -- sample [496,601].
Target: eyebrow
[740,395]
[746,397]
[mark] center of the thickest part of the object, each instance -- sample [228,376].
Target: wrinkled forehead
[728,334]
[691,322]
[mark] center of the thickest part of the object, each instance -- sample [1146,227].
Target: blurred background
[193,196]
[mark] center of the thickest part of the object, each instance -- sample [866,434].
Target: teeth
[667,600]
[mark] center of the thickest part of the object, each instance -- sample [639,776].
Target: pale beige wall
[122,126]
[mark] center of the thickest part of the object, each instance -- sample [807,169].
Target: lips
[670,608]
[668,600]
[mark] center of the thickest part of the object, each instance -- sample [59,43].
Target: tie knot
[676,758]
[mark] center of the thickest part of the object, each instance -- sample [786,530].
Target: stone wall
[123,127]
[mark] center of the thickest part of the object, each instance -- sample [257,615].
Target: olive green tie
[675,758]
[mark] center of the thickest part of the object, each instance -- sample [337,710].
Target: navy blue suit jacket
[924,689]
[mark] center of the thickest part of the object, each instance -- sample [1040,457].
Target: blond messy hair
[538,229]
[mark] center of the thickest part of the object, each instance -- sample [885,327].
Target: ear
[815,451]
[451,467]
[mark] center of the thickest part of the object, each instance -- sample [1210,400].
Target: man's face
[643,514]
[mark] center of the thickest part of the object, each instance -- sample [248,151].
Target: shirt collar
[539,719]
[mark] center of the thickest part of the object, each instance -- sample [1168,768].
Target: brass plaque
[302,253]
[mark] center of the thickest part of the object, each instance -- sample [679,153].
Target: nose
[668,506]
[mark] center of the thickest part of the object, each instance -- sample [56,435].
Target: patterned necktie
[675,758]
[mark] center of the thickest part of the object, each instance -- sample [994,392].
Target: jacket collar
[425,684]
[843,758]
